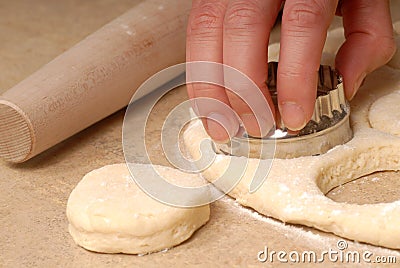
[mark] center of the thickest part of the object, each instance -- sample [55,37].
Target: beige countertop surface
[33,195]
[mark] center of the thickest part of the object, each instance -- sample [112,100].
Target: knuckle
[388,47]
[207,16]
[244,15]
[385,44]
[305,14]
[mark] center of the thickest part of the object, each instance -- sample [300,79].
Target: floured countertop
[33,196]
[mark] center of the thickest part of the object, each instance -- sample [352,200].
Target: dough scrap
[295,189]
[109,213]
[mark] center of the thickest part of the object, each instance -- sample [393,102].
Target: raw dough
[273,52]
[295,189]
[108,213]
[384,114]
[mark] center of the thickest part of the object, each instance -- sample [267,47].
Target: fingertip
[296,99]
[257,127]
[293,115]
[358,83]
[220,127]
[216,131]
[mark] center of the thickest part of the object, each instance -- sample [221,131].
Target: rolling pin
[93,79]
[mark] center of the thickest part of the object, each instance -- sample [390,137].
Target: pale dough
[108,213]
[384,114]
[295,189]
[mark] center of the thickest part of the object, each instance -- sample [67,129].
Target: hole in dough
[379,187]
[350,163]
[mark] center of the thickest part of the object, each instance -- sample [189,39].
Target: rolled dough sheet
[109,213]
[295,189]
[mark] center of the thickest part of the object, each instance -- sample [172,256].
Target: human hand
[236,33]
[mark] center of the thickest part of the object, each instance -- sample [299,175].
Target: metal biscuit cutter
[328,127]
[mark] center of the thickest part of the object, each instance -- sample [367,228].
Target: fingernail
[359,82]
[256,128]
[293,115]
[220,127]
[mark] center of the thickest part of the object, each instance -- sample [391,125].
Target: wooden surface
[33,195]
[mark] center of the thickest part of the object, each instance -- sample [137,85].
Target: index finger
[205,43]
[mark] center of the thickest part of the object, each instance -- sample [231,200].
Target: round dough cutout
[384,114]
[109,213]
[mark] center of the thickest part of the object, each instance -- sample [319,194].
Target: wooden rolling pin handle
[93,79]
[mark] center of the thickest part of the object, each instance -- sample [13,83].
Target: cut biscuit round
[109,213]
[384,114]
